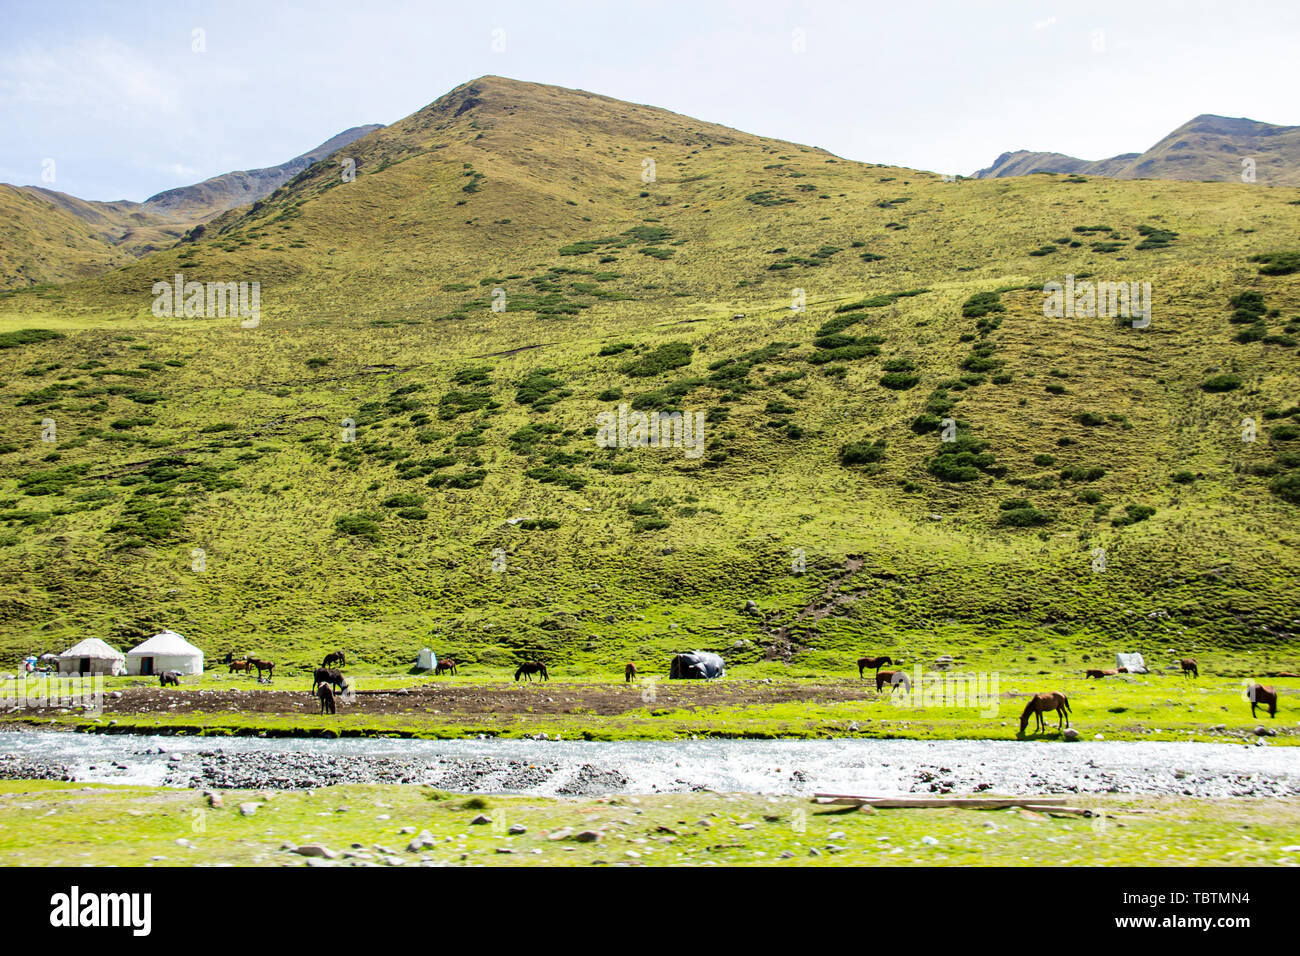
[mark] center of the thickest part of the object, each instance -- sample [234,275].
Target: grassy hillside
[48,237]
[923,301]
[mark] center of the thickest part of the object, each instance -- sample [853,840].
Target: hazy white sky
[116,95]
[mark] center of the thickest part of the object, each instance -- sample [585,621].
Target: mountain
[1208,148]
[48,236]
[387,459]
[204,200]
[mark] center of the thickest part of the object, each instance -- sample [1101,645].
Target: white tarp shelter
[1132,663]
[427,660]
[92,656]
[167,651]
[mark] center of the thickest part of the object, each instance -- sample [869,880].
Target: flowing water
[883,767]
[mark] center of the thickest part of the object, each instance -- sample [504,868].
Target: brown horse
[875,663]
[628,673]
[893,679]
[1265,696]
[327,675]
[326,694]
[240,666]
[446,664]
[261,665]
[338,657]
[531,668]
[1189,667]
[1099,674]
[1040,704]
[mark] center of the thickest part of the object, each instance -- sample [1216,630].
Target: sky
[109,100]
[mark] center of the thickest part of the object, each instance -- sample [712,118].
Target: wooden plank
[986,803]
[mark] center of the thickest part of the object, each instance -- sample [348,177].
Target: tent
[166,651]
[1131,663]
[697,665]
[427,660]
[92,656]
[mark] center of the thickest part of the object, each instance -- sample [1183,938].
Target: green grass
[48,824]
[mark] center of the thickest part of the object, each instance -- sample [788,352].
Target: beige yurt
[166,651]
[92,656]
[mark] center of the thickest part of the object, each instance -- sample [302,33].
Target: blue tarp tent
[697,665]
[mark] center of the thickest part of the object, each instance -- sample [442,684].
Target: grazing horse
[338,657]
[1189,667]
[893,678]
[326,694]
[169,677]
[1040,704]
[875,663]
[1099,674]
[327,675]
[240,666]
[531,668]
[446,664]
[1261,695]
[628,673]
[262,665]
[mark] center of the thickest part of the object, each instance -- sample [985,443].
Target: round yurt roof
[165,644]
[93,647]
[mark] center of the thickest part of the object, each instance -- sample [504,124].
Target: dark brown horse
[628,673]
[337,657]
[875,663]
[1040,704]
[1189,667]
[169,677]
[327,675]
[1099,674]
[531,668]
[261,665]
[893,679]
[240,666]
[1261,696]
[446,664]
[326,694]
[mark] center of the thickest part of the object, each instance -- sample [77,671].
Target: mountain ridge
[1208,148]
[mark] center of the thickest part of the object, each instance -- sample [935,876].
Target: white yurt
[167,651]
[92,656]
[427,660]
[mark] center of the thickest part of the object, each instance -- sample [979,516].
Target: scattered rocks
[248,809]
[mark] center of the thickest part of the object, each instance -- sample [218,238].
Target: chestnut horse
[893,678]
[262,665]
[1189,667]
[338,657]
[875,663]
[628,673]
[240,666]
[446,664]
[1265,696]
[1099,674]
[531,668]
[1044,703]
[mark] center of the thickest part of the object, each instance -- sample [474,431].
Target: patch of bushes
[1223,382]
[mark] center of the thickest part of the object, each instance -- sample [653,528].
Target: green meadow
[47,823]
